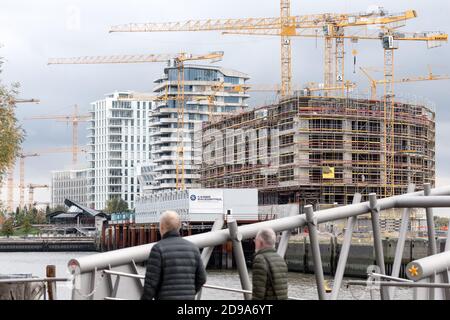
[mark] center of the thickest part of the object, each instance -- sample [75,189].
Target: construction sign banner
[328,173]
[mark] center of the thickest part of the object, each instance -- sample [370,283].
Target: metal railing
[89,269]
[142,277]
[47,284]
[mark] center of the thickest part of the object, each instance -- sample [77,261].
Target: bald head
[169,221]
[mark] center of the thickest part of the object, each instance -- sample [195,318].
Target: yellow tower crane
[389,37]
[10,173]
[178,60]
[22,186]
[22,157]
[31,187]
[374,83]
[74,119]
[309,88]
[285,26]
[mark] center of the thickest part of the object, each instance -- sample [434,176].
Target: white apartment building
[69,184]
[119,141]
[207,90]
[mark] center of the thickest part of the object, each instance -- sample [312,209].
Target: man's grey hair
[170,220]
[267,236]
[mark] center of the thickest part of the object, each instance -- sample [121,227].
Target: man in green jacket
[269,269]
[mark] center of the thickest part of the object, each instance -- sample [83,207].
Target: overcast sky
[33,31]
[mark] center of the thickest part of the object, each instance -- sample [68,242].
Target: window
[233,80]
[286,158]
[194,74]
[231,99]
[286,139]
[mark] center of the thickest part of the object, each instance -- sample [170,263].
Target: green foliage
[116,205]
[19,216]
[8,227]
[11,134]
[59,208]
[26,227]
[40,218]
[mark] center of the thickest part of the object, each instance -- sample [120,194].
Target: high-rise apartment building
[69,184]
[208,90]
[119,141]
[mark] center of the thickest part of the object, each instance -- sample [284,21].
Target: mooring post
[50,272]
[110,238]
[236,238]
[124,236]
[377,241]
[206,252]
[315,251]
[343,255]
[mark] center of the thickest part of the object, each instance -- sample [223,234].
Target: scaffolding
[319,150]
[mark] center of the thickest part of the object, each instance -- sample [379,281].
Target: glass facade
[195,74]
[233,80]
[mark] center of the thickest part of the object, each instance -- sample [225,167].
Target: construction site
[318,143]
[319,150]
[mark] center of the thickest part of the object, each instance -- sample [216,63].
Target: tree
[19,216]
[32,215]
[41,218]
[11,134]
[59,208]
[27,225]
[440,221]
[8,227]
[116,205]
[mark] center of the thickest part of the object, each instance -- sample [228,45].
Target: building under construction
[320,150]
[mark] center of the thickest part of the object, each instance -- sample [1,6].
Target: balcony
[115,131]
[115,164]
[115,155]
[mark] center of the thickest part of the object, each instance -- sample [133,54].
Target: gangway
[115,274]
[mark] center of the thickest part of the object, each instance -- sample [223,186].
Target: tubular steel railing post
[284,241]
[238,251]
[207,251]
[400,247]
[446,273]
[345,248]
[315,250]
[431,237]
[430,223]
[377,242]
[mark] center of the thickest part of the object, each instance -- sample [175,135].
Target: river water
[300,285]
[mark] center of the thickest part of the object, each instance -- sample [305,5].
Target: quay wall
[361,255]
[48,244]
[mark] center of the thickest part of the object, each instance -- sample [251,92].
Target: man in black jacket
[175,270]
